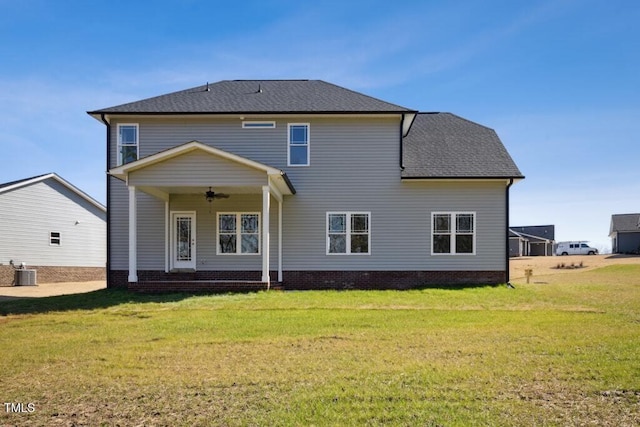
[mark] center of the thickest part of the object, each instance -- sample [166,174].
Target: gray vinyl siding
[262,145]
[192,169]
[30,213]
[151,231]
[354,166]
[400,228]
[118,205]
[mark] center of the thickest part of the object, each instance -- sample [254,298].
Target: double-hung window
[127,143]
[348,233]
[238,233]
[453,233]
[298,144]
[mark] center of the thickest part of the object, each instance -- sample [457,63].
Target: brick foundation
[301,280]
[211,286]
[226,281]
[48,274]
[119,278]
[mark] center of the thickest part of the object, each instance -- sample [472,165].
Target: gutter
[108,264]
[247,113]
[513,179]
[288,182]
[509,184]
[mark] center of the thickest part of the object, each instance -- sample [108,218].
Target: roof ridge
[269,80]
[227,97]
[18,181]
[365,95]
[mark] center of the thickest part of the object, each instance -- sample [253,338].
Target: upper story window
[127,143]
[298,143]
[259,125]
[453,233]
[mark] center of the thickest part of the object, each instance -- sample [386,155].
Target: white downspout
[280,240]
[266,198]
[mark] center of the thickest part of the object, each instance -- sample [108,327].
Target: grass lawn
[562,352]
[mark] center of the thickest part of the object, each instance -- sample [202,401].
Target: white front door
[183,240]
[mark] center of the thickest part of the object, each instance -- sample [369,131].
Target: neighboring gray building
[324,188]
[53,227]
[625,234]
[532,240]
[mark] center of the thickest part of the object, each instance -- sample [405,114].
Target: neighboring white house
[53,227]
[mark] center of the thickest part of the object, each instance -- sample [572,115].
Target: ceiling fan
[210,195]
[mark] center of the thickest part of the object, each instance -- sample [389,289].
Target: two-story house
[303,184]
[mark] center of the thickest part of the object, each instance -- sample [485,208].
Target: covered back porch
[219,216]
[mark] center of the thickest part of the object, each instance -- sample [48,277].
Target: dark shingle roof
[443,145]
[530,237]
[259,96]
[544,231]
[625,222]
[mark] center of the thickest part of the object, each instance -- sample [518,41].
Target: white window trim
[453,232]
[308,144]
[238,234]
[258,124]
[51,238]
[119,142]
[348,233]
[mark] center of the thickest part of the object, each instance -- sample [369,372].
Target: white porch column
[133,235]
[266,199]
[167,236]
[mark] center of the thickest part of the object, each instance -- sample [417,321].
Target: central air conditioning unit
[25,277]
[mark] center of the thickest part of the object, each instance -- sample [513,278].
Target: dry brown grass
[546,266]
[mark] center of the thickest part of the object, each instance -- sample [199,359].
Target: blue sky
[558,80]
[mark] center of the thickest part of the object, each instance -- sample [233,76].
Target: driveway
[49,289]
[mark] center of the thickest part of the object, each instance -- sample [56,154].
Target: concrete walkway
[49,289]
